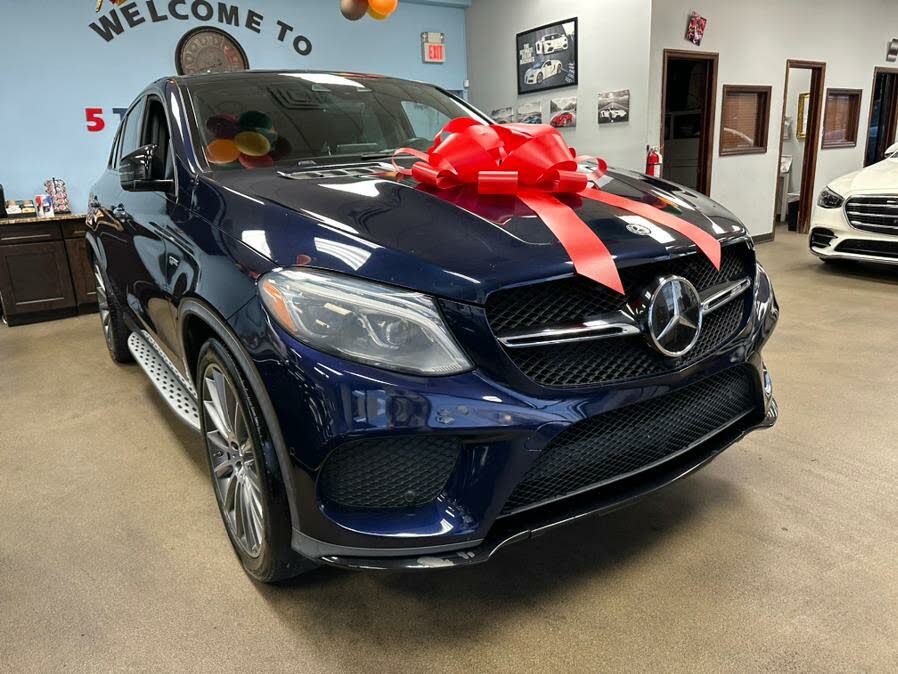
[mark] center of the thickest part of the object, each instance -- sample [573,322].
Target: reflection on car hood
[454,244]
[879,178]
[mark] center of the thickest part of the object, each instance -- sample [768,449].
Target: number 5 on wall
[95,120]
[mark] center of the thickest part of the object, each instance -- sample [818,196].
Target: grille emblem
[673,316]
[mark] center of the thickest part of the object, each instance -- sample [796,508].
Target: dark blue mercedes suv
[392,376]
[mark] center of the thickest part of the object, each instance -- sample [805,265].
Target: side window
[130,132]
[156,132]
[426,122]
[113,153]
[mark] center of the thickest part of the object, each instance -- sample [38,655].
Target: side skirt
[174,389]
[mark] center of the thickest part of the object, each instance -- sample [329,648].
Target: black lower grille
[390,472]
[821,238]
[626,440]
[877,248]
[611,360]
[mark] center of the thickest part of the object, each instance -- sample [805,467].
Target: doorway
[883,114]
[799,144]
[688,107]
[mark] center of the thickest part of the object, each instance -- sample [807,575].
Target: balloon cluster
[376,9]
[250,139]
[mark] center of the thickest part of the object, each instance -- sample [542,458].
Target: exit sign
[434,47]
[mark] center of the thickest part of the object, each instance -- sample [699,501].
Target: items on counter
[58,191]
[20,208]
[44,204]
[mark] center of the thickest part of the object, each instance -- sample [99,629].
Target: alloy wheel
[103,303]
[232,454]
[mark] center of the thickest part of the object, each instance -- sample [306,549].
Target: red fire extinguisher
[653,162]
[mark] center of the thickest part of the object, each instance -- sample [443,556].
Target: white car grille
[878,214]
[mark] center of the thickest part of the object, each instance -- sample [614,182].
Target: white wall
[754,40]
[614,54]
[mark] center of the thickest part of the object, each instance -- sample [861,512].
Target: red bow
[533,162]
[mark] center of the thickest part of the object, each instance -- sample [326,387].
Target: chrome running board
[174,389]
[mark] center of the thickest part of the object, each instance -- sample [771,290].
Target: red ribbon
[534,163]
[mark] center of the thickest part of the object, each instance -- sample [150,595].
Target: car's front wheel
[244,468]
[539,78]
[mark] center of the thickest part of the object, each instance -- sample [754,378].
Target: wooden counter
[45,270]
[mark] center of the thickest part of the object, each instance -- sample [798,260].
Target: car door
[137,259]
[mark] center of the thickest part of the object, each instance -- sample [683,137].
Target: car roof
[213,78]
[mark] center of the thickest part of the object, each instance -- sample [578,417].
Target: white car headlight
[367,322]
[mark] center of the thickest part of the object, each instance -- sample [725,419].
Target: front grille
[878,248]
[873,214]
[401,472]
[627,440]
[576,299]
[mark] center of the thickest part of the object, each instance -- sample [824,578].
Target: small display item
[58,191]
[20,208]
[44,204]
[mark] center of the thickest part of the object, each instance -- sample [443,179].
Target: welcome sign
[128,16]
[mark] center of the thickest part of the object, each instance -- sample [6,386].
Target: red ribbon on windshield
[534,163]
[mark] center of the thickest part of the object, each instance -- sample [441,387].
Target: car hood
[879,178]
[455,244]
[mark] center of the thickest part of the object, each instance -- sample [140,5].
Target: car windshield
[261,119]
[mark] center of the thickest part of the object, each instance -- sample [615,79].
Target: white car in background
[543,70]
[856,217]
[551,43]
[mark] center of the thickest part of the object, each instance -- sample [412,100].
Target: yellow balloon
[377,17]
[252,143]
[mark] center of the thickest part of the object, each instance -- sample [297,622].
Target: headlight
[370,323]
[829,199]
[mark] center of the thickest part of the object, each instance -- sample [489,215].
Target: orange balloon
[374,15]
[383,7]
[222,151]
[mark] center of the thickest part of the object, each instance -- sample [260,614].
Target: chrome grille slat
[877,214]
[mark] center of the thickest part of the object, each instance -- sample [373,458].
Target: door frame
[893,127]
[812,139]
[706,149]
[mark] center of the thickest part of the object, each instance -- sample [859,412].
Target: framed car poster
[547,57]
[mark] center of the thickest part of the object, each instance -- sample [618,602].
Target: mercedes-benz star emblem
[674,316]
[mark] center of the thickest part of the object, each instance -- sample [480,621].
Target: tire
[539,78]
[244,469]
[115,331]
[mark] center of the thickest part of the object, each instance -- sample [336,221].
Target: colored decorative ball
[256,162]
[385,7]
[222,126]
[281,149]
[353,9]
[253,120]
[376,15]
[270,134]
[252,143]
[222,151]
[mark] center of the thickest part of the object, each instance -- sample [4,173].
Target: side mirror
[140,171]
[893,149]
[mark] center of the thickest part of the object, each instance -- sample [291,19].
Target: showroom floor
[781,555]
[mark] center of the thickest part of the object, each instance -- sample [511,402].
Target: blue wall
[58,66]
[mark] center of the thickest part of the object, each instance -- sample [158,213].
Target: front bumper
[322,403]
[832,237]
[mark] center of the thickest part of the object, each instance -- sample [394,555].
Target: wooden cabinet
[45,269]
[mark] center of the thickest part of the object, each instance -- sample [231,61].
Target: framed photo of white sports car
[547,57]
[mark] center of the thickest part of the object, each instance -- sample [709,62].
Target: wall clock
[209,50]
